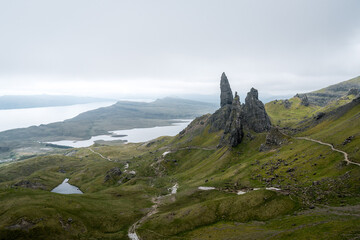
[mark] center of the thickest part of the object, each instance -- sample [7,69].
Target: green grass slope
[318,196]
[293,114]
[326,95]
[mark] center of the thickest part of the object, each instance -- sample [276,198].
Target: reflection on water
[66,188]
[135,135]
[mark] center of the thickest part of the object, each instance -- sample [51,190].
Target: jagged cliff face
[304,99]
[233,132]
[254,114]
[233,117]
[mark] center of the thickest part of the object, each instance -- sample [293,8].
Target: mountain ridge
[325,95]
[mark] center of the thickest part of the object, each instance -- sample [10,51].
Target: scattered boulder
[112,174]
[29,184]
[348,140]
[290,170]
[319,115]
[287,104]
[21,224]
[251,137]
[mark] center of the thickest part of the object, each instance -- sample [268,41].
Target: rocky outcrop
[304,99]
[219,119]
[274,139]
[22,224]
[233,132]
[226,96]
[112,174]
[253,114]
[287,104]
[353,91]
[233,118]
[196,126]
[29,184]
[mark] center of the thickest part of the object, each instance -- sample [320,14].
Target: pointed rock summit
[233,118]
[226,96]
[254,114]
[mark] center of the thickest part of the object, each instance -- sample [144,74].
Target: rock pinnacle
[226,96]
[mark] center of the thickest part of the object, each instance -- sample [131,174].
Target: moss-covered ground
[318,198]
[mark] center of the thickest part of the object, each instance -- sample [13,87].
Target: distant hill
[34,101]
[324,96]
[122,115]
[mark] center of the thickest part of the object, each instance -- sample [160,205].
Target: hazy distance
[151,49]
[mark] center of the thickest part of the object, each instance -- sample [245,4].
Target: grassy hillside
[326,95]
[307,173]
[291,113]
[122,115]
[298,189]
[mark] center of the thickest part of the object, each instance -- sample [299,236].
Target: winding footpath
[100,155]
[173,190]
[346,158]
[154,209]
[156,200]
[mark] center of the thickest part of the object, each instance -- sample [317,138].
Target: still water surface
[21,118]
[66,188]
[135,135]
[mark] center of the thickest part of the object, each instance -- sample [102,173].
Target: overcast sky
[151,49]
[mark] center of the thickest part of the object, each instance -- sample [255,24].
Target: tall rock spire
[234,118]
[226,96]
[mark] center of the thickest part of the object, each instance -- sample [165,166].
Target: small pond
[66,188]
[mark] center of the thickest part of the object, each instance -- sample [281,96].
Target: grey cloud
[257,42]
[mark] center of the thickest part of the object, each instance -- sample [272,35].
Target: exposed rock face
[233,132]
[196,126]
[21,224]
[304,99]
[353,91]
[233,118]
[273,139]
[29,184]
[112,174]
[319,115]
[226,96]
[253,114]
[287,104]
[219,118]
